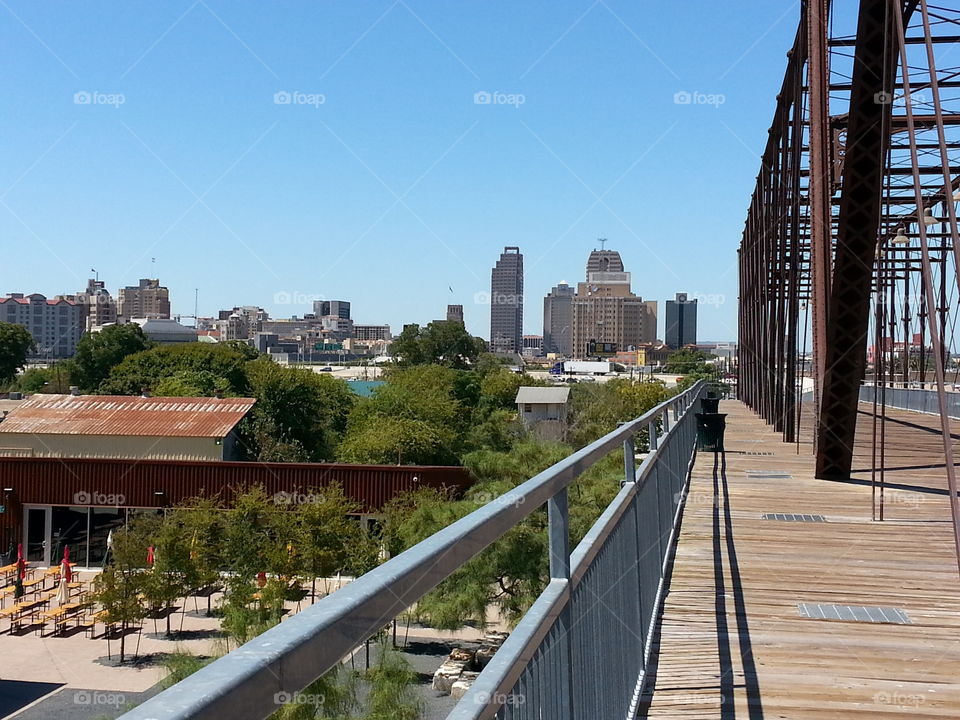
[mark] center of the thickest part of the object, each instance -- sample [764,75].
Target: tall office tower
[506,302]
[336,308]
[681,326]
[558,320]
[606,311]
[56,325]
[149,299]
[455,313]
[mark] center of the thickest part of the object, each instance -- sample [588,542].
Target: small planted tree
[170,577]
[324,532]
[201,523]
[118,589]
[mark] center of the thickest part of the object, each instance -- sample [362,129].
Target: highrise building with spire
[607,312]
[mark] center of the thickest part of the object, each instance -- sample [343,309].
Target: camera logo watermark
[499,699]
[286,297]
[284,97]
[94,697]
[296,498]
[297,698]
[83,497]
[686,97]
[497,298]
[484,97]
[899,699]
[95,97]
[488,498]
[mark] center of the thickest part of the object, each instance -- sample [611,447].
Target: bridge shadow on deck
[723,543]
[721,493]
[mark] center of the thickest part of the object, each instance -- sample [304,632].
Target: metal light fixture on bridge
[900,238]
[956,195]
[928,218]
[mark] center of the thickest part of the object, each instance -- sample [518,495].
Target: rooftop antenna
[602,242]
[196,303]
[95,273]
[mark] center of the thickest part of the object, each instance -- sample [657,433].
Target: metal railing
[908,398]
[580,651]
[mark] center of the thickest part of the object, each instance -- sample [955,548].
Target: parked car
[326,369]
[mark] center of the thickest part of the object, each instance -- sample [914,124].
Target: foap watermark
[83,497]
[297,498]
[488,498]
[899,699]
[888,98]
[95,697]
[702,499]
[497,298]
[686,97]
[288,297]
[707,298]
[95,97]
[295,97]
[297,698]
[499,699]
[484,97]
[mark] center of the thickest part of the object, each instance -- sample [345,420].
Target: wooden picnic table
[61,616]
[22,611]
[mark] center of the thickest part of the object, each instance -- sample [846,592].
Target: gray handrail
[292,655]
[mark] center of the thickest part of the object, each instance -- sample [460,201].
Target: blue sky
[149,139]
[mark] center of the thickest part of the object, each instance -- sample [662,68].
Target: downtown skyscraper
[506,302]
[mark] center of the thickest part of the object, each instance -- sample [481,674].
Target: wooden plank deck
[732,643]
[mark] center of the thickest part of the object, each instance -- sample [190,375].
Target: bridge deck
[732,643]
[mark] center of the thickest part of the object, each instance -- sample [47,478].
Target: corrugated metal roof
[126,415]
[542,395]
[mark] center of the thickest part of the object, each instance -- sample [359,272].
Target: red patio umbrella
[65,572]
[150,555]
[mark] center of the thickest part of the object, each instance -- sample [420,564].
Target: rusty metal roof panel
[126,415]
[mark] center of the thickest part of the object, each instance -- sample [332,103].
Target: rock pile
[457,673]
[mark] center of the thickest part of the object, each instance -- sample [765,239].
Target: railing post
[666,420]
[558,517]
[652,439]
[629,460]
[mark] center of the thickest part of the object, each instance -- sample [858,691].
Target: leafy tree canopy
[97,353]
[15,342]
[147,369]
[439,343]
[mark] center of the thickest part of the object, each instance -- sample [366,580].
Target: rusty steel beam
[857,235]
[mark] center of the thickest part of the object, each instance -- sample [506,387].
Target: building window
[527,407]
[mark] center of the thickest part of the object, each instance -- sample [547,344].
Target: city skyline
[476,314]
[300,158]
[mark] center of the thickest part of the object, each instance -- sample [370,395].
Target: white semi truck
[585,367]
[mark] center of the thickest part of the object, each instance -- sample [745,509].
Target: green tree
[687,360]
[54,379]
[97,353]
[15,342]
[299,414]
[119,587]
[324,532]
[395,440]
[258,537]
[439,343]
[201,521]
[173,573]
[192,361]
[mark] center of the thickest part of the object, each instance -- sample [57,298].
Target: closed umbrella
[66,576]
[150,555]
[21,573]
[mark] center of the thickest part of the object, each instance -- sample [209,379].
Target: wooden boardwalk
[732,642]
